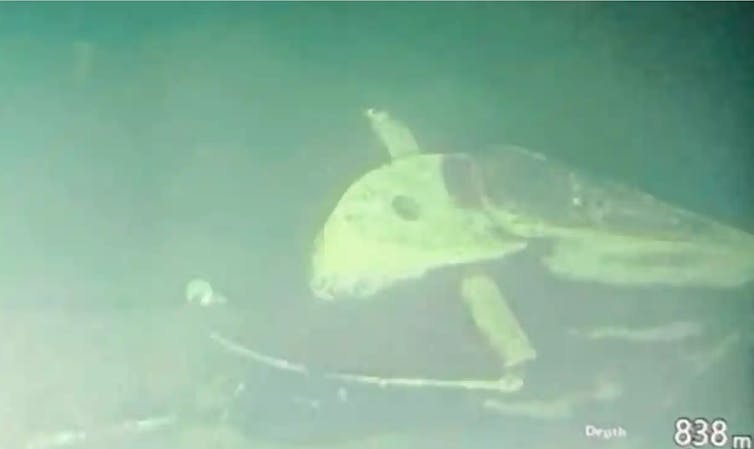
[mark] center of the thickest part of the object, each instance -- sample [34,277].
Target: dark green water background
[142,144]
[206,134]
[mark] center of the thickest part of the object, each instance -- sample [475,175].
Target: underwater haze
[143,145]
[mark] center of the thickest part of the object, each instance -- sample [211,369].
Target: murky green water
[143,145]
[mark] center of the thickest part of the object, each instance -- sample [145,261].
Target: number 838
[700,432]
